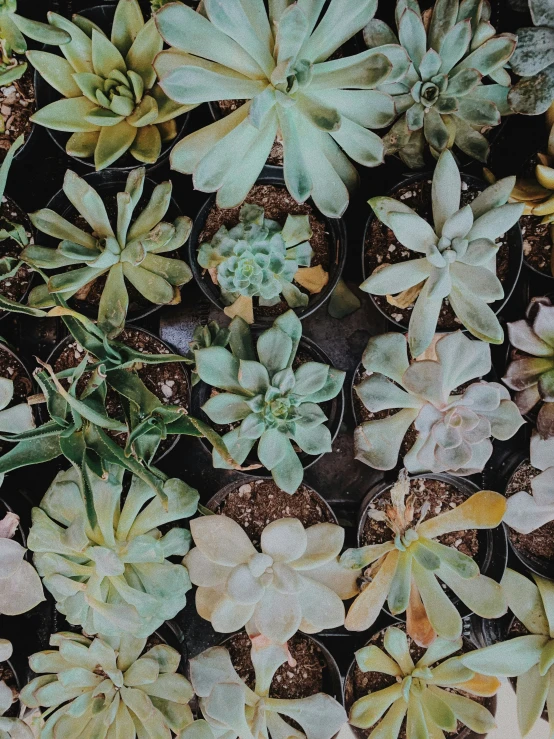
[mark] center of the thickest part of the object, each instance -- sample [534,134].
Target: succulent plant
[130,252]
[454,427]
[278,62]
[529,657]
[10,728]
[111,101]
[295,582]
[105,561]
[275,404]
[108,686]
[425,693]
[457,256]
[531,371]
[258,258]
[20,586]
[404,570]
[13,418]
[443,100]
[203,337]
[231,709]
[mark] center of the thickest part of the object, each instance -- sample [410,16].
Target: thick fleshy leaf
[221,540]
[532,689]
[367,606]
[67,115]
[482,510]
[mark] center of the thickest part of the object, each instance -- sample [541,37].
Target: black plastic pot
[201,393]
[102,15]
[29,229]
[337,257]
[493,548]
[515,254]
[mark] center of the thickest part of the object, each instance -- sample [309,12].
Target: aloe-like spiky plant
[279,64]
[20,586]
[443,100]
[275,404]
[425,693]
[10,728]
[458,255]
[108,686]
[454,428]
[130,250]
[232,709]
[404,570]
[111,101]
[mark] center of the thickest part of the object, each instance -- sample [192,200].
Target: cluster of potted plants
[368,569]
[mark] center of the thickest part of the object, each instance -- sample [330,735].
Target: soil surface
[22,386]
[7,676]
[537,243]
[17,105]
[382,247]
[14,288]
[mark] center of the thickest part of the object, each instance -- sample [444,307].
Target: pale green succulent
[203,337]
[112,103]
[442,99]
[130,251]
[10,728]
[20,586]
[425,693]
[108,687]
[458,255]
[105,561]
[276,60]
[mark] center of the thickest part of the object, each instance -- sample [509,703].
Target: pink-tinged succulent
[20,586]
[531,372]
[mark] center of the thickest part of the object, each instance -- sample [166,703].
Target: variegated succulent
[10,728]
[294,582]
[425,693]
[111,101]
[232,710]
[105,561]
[404,570]
[443,100]
[20,586]
[458,255]
[131,251]
[278,62]
[108,687]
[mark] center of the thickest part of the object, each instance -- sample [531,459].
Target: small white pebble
[397,316]
[167,391]
[452,505]
[170,382]
[245,489]
[457,542]
[464,185]
[392,248]
[438,509]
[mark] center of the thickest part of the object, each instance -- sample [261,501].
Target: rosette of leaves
[10,728]
[111,101]
[274,404]
[531,371]
[454,427]
[530,657]
[108,687]
[406,570]
[105,560]
[294,582]
[425,693]
[20,586]
[457,256]
[130,252]
[443,100]
[231,709]
[258,258]
[278,63]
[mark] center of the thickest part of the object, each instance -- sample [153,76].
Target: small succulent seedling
[443,99]
[454,427]
[108,687]
[130,252]
[278,63]
[530,658]
[20,586]
[10,728]
[531,371]
[259,258]
[111,101]
[295,582]
[425,693]
[275,404]
[457,255]
[105,560]
[404,570]
[231,709]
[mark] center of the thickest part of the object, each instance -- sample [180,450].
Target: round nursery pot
[108,183]
[67,354]
[354,692]
[331,232]
[333,409]
[377,235]
[538,238]
[18,287]
[492,548]
[103,16]
[20,96]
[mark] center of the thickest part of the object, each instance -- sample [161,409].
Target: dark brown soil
[17,105]
[14,288]
[442,496]
[537,243]
[538,544]
[382,247]
[277,204]
[7,676]
[22,386]
[255,504]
